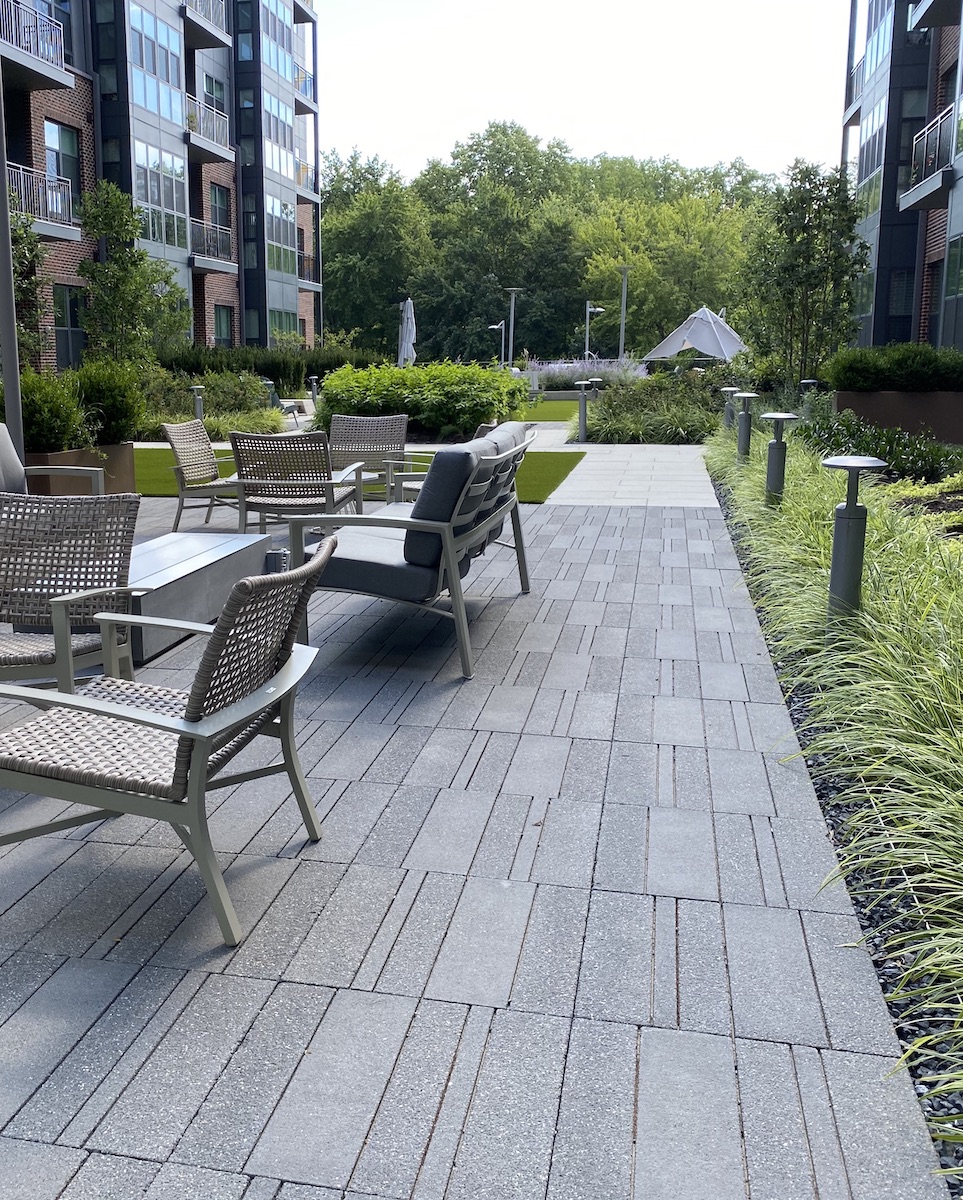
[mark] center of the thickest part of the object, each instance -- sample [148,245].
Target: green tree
[129,294]
[29,285]
[803,259]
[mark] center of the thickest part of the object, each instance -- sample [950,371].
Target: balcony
[211,250]
[205,25]
[930,14]
[32,46]
[305,99]
[46,199]
[932,173]
[304,12]
[208,133]
[306,178]
[854,93]
[309,269]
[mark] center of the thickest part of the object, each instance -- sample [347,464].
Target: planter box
[117,461]
[939,412]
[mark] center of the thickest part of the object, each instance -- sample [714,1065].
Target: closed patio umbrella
[407,334]
[703,331]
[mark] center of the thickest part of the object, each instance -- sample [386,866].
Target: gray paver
[30,1169]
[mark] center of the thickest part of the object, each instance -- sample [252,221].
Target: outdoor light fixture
[501,356]
[849,536]
[513,292]
[776,460]
[590,311]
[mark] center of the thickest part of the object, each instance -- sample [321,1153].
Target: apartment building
[206,113]
[903,139]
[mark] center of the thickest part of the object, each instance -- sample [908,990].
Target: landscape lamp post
[625,294]
[501,356]
[590,311]
[776,462]
[728,412]
[849,536]
[744,423]
[511,325]
[197,388]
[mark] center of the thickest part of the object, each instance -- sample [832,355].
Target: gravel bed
[874,912]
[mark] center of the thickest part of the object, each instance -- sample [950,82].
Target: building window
[223,315]
[281,235]
[214,92]
[953,256]
[155,53]
[59,10]
[277,37]
[69,338]
[220,206]
[278,136]
[160,190]
[63,156]
[280,322]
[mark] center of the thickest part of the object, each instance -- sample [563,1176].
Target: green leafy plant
[665,408]
[112,401]
[900,367]
[907,455]
[442,399]
[53,419]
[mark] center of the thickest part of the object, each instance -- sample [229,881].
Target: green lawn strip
[539,475]
[551,410]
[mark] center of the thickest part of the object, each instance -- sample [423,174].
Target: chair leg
[295,772]
[177,515]
[210,509]
[198,842]
[520,550]
[461,624]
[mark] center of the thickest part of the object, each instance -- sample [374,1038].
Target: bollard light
[313,381]
[582,384]
[197,388]
[744,423]
[849,536]
[805,387]
[776,461]
[729,412]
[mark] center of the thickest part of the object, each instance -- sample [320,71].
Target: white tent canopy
[703,331]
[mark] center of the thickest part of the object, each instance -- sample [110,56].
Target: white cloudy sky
[701,81]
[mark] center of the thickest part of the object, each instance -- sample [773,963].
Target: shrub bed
[883,735]
[288,369]
[666,408]
[900,367]
[908,455]
[442,400]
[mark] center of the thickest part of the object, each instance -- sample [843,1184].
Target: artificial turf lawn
[539,475]
[551,410]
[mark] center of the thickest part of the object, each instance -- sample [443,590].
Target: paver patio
[564,936]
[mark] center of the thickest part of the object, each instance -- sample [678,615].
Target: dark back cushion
[12,475]
[450,470]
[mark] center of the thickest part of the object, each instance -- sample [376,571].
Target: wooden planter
[939,412]
[117,461]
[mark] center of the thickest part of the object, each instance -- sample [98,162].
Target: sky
[699,81]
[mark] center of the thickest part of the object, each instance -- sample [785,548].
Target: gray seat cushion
[13,478]
[373,560]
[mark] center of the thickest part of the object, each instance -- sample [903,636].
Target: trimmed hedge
[900,367]
[441,399]
[288,369]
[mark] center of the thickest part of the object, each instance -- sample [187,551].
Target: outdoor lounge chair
[62,559]
[374,441]
[14,475]
[119,746]
[413,553]
[196,469]
[287,475]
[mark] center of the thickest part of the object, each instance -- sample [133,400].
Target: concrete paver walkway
[564,937]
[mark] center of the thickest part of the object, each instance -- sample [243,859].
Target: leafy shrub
[441,399]
[666,408]
[111,398]
[224,392]
[908,456]
[53,419]
[901,367]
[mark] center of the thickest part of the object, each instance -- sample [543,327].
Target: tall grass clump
[884,694]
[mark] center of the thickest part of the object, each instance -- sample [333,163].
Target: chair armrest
[107,618]
[244,710]
[342,474]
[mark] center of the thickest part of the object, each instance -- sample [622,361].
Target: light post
[625,293]
[590,311]
[197,388]
[728,412]
[511,324]
[849,536]
[501,356]
[776,460]
[8,310]
[744,423]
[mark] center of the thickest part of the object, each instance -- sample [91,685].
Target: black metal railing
[309,267]
[933,147]
[39,195]
[211,241]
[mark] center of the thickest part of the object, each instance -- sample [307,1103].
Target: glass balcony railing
[211,241]
[854,85]
[30,31]
[208,122]
[309,268]
[304,82]
[44,197]
[210,10]
[933,147]
[307,176]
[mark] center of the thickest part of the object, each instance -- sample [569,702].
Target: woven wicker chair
[372,440]
[62,559]
[290,475]
[120,746]
[196,469]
